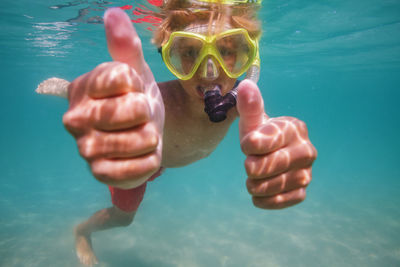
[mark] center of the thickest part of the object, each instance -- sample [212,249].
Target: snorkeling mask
[233,49]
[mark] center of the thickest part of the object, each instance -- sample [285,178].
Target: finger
[76,90]
[75,120]
[131,143]
[297,157]
[124,44]
[112,79]
[126,173]
[250,106]
[109,114]
[279,184]
[281,201]
[119,113]
[271,136]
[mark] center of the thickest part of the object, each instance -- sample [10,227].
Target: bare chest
[191,141]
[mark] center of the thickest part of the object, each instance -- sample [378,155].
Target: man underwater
[129,128]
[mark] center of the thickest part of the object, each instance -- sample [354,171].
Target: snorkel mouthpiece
[216,105]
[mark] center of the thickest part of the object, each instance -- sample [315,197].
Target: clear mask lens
[183,54]
[235,52]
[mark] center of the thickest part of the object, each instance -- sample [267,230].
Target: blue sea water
[334,64]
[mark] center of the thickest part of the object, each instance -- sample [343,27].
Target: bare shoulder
[169,88]
[173,94]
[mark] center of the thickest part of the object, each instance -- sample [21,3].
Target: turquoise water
[333,64]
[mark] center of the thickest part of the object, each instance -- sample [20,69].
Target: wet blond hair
[178,14]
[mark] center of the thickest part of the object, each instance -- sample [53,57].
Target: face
[202,79]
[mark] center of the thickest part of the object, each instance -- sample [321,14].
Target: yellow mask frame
[209,49]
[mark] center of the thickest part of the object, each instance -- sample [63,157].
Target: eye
[190,52]
[226,52]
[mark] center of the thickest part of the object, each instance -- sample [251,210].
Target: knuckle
[86,147]
[144,142]
[116,77]
[99,172]
[106,172]
[280,201]
[128,110]
[302,195]
[155,161]
[243,147]
[277,123]
[250,187]
[311,155]
[110,68]
[305,178]
[138,105]
[292,122]
[76,85]
[250,142]
[285,119]
[153,140]
[249,166]
[314,152]
[306,181]
[254,139]
[299,123]
[73,122]
[311,152]
[128,77]
[122,173]
[307,151]
[67,118]
[257,167]
[120,69]
[257,202]
[99,70]
[265,203]
[150,133]
[104,65]
[302,129]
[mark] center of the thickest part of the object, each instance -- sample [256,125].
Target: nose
[209,69]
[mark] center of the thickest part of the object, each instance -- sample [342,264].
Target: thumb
[124,44]
[250,106]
